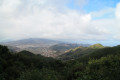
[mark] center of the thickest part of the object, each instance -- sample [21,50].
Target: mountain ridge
[79,51]
[45,47]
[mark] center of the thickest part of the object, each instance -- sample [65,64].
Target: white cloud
[118,11]
[117,26]
[49,19]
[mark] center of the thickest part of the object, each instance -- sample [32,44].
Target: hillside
[96,46]
[12,65]
[80,51]
[61,48]
[101,53]
[102,64]
[66,46]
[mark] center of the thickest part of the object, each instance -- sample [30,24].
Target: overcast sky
[89,21]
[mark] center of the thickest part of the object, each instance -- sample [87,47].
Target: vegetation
[101,64]
[63,46]
[96,46]
[80,51]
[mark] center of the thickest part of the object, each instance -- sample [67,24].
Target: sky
[83,21]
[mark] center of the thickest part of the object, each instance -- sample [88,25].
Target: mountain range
[45,47]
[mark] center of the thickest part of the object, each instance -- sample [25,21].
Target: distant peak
[97,46]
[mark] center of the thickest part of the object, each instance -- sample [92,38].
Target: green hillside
[80,51]
[63,46]
[96,46]
[100,64]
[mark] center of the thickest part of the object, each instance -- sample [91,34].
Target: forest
[102,64]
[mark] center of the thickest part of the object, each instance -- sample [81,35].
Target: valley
[45,47]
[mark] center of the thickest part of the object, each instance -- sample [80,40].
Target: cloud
[117,26]
[49,19]
[118,11]
[109,12]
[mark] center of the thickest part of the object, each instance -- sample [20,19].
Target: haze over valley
[45,47]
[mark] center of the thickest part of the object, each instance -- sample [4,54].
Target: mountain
[96,46]
[34,45]
[45,47]
[61,48]
[102,52]
[66,46]
[31,42]
[79,51]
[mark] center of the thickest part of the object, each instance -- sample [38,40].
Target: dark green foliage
[105,68]
[13,65]
[4,52]
[101,64]
[43,74]
[100,53]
